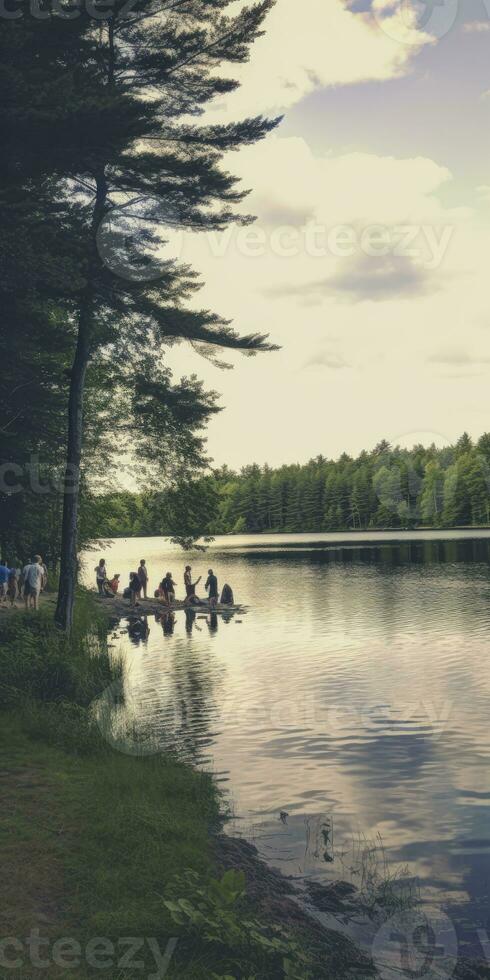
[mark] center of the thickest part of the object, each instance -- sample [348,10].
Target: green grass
[90,844]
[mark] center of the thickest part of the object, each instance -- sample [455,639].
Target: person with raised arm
[190,587]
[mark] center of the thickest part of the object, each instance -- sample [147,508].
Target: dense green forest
[389,487]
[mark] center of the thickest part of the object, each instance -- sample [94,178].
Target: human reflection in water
[190,619]
[227,615]
[138,630]
[212,622]
[167,622]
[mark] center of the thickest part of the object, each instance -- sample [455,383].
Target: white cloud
[340,189]
[457,356]
[262,284]
[345,228]
[476,27]
[317,43]
[333,360]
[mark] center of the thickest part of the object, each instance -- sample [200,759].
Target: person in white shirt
[33,578]
[101,575]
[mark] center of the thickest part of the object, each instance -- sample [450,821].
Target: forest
[388,487]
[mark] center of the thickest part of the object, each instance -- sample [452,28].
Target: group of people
[138,586]
[167,587]
[27,582]
[105,585]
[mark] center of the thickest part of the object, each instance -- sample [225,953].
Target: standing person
[212,586]
[134,587]
[12,586]
[100,575]
[45,576]
[114,583]
[168,587]
[143,577]
[4,577]
[190,587]
[33,576]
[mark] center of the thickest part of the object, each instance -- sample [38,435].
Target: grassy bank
[99,847]
[90,843]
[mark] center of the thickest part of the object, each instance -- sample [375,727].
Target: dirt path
[46,600]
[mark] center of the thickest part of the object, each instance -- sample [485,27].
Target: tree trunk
[71,488]
[69,552]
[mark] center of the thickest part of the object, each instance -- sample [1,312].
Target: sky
[368,260]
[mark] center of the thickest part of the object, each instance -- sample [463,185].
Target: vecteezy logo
[419,944]
[141,242]
[117,726]
[415,22]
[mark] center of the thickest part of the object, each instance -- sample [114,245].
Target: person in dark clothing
[134,587]
[168,587]
[212,587]
[227,596]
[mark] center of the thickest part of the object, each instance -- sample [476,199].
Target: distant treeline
[387,487]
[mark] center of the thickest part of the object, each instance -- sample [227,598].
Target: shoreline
[74,804]
[419,528]
[156,607]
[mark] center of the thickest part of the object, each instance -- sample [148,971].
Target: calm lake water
[349,705]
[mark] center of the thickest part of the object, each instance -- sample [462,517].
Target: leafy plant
[215,911]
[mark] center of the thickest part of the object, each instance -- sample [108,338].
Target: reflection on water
[353,700]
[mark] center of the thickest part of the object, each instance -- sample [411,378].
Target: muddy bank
[278,901]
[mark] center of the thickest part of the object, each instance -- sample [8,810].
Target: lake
[350,705]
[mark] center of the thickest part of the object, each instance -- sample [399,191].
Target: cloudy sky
[368,260]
